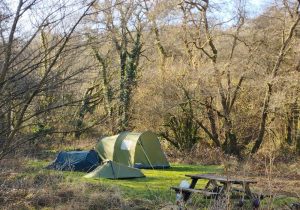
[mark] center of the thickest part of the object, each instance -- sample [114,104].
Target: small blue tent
[76,161]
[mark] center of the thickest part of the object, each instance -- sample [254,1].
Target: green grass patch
[156,185]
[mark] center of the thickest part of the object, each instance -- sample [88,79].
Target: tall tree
[286,42]
[126,35]
[206,43]
[28,71]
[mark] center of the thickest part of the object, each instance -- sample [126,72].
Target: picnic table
[216,186]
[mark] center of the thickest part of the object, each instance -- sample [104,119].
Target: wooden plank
[222,179]
[189,190]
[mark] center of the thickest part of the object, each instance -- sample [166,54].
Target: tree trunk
[213,126]
[289,129]
[263,121]
[106,87]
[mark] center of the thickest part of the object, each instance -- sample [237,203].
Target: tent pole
[146,155]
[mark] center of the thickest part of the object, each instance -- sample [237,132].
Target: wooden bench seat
[255,194]
[189,190]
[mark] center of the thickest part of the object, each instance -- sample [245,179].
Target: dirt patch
[45,199]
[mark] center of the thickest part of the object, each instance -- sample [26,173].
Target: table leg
[207,185]
[247,190]
[187,195]
[193,184]
[212,183]
[227,187]
[214,187]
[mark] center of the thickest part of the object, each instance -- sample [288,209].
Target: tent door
[145,154]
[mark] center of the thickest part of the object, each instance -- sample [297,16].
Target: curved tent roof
[140,150]
[76,161]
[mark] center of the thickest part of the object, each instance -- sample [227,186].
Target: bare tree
[286,42]
[27,71]
[205,42]
[124,27]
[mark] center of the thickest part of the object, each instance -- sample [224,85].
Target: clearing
[26,185]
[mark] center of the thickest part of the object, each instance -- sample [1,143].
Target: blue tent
[76,161]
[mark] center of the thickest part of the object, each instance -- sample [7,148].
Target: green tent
[139,150]
[113,170]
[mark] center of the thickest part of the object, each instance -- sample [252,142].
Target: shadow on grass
[195,168]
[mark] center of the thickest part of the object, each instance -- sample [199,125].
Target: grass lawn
[156,184]
[154,187]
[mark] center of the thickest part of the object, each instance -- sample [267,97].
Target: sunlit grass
[156,184]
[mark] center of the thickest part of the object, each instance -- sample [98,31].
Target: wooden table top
[219,178]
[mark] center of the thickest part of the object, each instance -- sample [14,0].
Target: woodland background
[199,73]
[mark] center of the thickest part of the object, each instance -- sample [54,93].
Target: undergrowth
[25,184]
